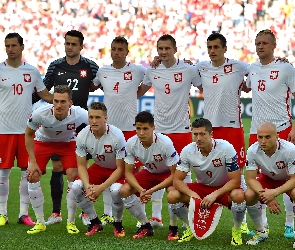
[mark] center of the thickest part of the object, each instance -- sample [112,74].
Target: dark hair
[99,106]
[61,89]
[120,39]
[145,117]
[202,122]
[15,35]
[216,35]
[76,33]
[167,37]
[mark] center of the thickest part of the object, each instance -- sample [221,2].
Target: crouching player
[215,163]
[276,159]
[106,144]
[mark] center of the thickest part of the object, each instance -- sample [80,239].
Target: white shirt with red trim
[104,151]
[16,88]
[222,88]
[49,129]
[272,86]
[211,170]
[171,87]
[279,166]
[157,158]
[120,93]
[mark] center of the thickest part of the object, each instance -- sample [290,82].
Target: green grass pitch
[14,236]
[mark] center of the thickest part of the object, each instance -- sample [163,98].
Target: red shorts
[204,190]
[282,134]
[148,180]
[13,146]
[98,174]
[66,151]
[127,135]
[180,140]
[235,136]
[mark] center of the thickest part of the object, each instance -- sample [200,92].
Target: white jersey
[172,86]
[49,129]
[222,88]
[211,170]
[157,158]
[16,88]
[272,86]
[104,151]
[120,93]
[279,166]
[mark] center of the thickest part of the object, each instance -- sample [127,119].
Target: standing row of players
[171,77]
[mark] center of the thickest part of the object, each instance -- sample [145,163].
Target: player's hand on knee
[33,172]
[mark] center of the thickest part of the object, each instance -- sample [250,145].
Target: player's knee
[173,196]
[115,190]
[292,194]
[77,187]
[125,190]
[237,196]
[72,174]
[56,166]
[251,197]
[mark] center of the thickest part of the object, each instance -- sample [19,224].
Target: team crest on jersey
[178,77]
[217,163]
[27,78]
[215,78]
[71,126]
[228,68]
[83,73]
[128,76]
[274,74]
[100,157]
[158,158]
[108,148]
[280,164]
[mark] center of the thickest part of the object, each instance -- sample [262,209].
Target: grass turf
[14,236]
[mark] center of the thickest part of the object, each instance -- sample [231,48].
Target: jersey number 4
[116,87]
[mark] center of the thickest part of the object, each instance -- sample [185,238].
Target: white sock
[133,205]
[289,211]
[4,190]
[180,209]
[238,211]
[71,203]
[264,217]
[255,213]
[172,216]
[37,200]
[157,204]
[82,201]
[24,195]
[117,203]
[107,201]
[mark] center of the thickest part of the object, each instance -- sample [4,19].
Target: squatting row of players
[50,133]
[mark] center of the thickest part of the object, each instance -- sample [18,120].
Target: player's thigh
[180,140]
[8,150]
[148,180]
[67,155]
[43,151]
[97,174]
[127,190]
[22,154]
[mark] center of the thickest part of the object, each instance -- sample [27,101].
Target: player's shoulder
[88,61]
[57,61]
[253,148]
[43,109]
[221,144]
[132,141]
[83,132]
[285,145]
[238,62]
[78,110]
[189,148]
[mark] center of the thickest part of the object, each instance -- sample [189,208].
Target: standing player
[106,144]
[275,158]
[51,131]
[273,84]
[216,166]
[157,153]
[18,81]
[77,72]
[172,81]
[222,81]
[120,81]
